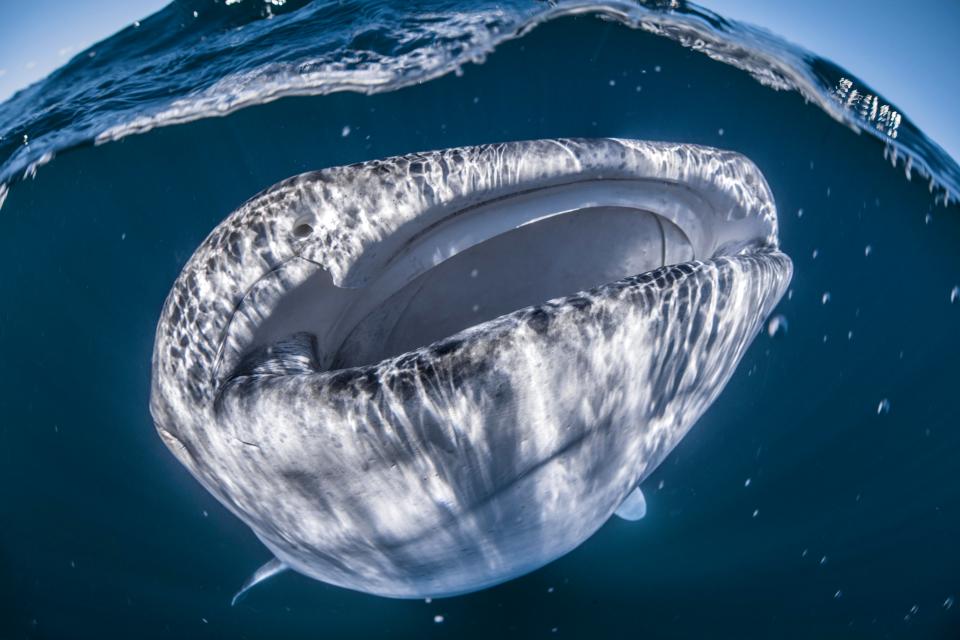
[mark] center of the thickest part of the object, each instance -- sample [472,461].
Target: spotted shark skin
[487,454]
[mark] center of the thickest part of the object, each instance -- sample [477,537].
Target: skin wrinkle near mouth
[663,240]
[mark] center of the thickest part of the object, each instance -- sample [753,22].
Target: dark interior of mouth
[426,283]
[545,259]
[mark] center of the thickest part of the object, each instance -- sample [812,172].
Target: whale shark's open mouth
[494,253]
[428,374]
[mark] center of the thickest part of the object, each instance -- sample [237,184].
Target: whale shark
[425,375]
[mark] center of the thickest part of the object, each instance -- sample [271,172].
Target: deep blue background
[104,535]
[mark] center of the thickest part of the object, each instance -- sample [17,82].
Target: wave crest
[196,59]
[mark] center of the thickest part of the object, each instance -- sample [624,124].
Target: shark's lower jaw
[435,404]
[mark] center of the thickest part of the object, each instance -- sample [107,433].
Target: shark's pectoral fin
[265,572]
[634,507]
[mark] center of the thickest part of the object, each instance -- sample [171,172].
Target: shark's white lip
[434,463]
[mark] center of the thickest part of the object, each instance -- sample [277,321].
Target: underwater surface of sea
[817,498]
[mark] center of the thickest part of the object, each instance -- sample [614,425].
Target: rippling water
[816,498]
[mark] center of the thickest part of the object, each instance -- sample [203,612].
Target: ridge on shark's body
[425,375]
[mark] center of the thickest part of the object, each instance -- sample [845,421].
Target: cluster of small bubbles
[438,619]
[612,83]
[720,131]
[884,407]
[825,298]
[948,603]
[823,560]
[927,219]
[657,68]
[777,326]
[345,131]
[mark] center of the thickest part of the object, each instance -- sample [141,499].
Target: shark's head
[427,374]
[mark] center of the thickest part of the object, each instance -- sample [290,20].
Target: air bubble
[777,326]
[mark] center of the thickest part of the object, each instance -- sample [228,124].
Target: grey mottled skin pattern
[487,454]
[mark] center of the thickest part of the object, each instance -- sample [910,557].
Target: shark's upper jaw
[433,373]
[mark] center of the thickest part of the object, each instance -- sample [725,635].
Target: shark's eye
[303,227]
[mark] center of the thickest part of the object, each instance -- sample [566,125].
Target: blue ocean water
[816,498]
